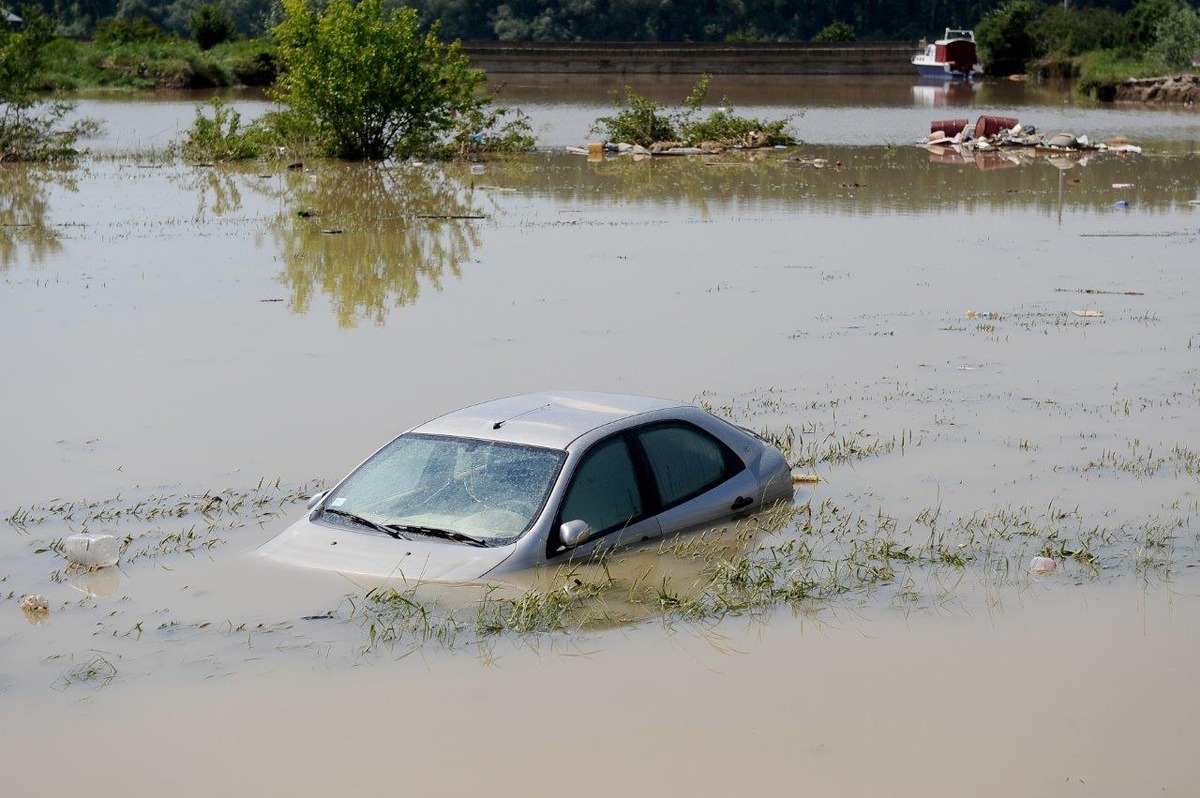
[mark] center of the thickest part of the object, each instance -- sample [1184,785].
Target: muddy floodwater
[984,360]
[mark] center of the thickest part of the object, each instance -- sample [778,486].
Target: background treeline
[580,20]
[1070,26]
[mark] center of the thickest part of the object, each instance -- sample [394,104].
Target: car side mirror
[315,499]
[574,533]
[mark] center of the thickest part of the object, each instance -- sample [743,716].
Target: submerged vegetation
[645,122]
[32,128]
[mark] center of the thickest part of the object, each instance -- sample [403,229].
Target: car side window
[604,491]
[685,461]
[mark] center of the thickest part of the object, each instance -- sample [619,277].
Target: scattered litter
[806,479]
[1089,314]
[1043,565]
[295,166]
[1194,202]
[36,603]
[1122,185]
[477,168]
[996,133]
[984,314]
[1100,291]
[305,213]
[333,231]
[1121,204]
[92,550]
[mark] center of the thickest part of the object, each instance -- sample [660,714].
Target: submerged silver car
[533,480]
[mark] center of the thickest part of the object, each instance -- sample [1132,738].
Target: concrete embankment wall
[876,58]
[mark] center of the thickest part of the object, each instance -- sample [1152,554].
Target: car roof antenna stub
[504,421]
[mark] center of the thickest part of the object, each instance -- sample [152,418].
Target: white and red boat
[953,56]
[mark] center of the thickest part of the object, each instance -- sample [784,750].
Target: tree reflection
[370,237]
[24,203]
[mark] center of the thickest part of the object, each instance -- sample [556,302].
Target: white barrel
[92,551]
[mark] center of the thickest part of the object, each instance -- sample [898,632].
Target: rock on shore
[1179,89]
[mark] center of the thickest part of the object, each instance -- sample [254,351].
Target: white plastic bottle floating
[92,551]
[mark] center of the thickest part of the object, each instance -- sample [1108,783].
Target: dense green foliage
[32,129]
[166,62]
[371,82]
[835,32]
[210,26]
[581,20]
[640,120]
[1150,35]
[1177,37]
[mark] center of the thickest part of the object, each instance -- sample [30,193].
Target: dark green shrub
[1141,21]
[210,26]
[1006,37]
[835,32]
[1073,31]
[644,121]
[129,31]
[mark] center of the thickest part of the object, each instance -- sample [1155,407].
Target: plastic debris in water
[805,479]
[1089,314]
[36,609]
[1121,204]
[1043,565]
[35,602]
[92,551]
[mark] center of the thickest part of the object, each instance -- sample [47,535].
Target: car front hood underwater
[372,554]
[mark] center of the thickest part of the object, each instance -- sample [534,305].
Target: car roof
[551,419]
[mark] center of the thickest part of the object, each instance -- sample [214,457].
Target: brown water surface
[984,360]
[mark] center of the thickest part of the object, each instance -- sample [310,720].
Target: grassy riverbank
[166,63]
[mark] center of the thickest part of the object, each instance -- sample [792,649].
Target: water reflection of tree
[216,191]
[24,203]
[370,237]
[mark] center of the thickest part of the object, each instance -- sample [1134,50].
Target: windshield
[491,491]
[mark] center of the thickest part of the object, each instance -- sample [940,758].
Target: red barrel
[991,125]
[951,127]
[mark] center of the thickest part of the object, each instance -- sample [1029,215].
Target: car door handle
[741,502]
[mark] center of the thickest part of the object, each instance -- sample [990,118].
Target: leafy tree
[1141,21]
[210,26]
[835,32]
[1177,38]
[1006,37]
[369,80]
[32,130]
[1073,31]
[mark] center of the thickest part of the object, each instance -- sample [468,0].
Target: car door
[608,493]
[697,478]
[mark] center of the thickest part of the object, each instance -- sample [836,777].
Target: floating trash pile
[998,132]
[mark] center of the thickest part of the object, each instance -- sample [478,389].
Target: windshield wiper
[448,534]
[387,530]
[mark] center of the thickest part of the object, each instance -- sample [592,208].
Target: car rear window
[685,461]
